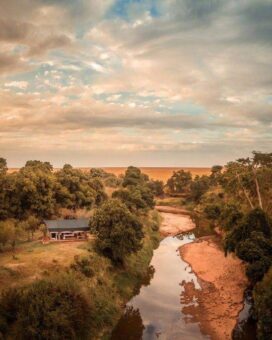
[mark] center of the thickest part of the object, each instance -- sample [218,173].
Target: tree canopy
[119,232]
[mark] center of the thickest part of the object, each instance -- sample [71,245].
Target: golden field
[153,172]
[160,173]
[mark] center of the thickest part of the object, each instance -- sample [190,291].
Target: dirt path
[223,282]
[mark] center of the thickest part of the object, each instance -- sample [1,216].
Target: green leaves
[119,232]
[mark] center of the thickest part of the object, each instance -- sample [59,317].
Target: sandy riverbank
[174,224]
[172,210]
[223,282]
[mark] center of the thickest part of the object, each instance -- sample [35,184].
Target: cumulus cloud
[147,76]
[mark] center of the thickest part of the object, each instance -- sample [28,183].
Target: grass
[32,259]
[109,287]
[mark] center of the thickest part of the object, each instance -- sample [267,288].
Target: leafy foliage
[180,181]
[83,265]
[119,232]
[55,308]
[252,242]
[35,190]
[263,303]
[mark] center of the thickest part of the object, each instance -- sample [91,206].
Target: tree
[248,178]
[75,188]
[252,242]
[5,232]
[98,173]
[198,187]
[262,305]
[131,198]
[30,225]
[230,216]
[180,181]
[112,181]
[156,186]
[3,166]
[44,166]
[10,232]
[119,232]
[212,211]
[133,176]
[216,174]
[35,188]
[54,308]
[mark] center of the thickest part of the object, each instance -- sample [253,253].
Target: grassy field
[161,173]
[32,260]
[153,172]
[109,287]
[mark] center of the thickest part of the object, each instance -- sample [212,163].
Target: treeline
[237,199]
[81,301]
[35,192]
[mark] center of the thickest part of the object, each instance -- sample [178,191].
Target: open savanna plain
[157,173]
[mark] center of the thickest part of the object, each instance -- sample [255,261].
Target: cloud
[147,75]
[17,84]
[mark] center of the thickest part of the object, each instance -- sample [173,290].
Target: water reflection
[130,325]
[157,310]
[246,325]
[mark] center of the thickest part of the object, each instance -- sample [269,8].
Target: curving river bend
[160,310]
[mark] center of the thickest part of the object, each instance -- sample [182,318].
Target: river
[160,310]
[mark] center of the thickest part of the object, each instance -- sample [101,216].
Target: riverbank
[222,280]
[173,224]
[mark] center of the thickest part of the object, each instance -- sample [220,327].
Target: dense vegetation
[237,199]
[36,192]
[84,300]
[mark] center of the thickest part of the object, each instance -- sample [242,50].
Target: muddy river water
[158,310]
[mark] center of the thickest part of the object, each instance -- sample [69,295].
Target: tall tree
[119,232]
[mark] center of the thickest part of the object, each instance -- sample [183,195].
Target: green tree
[250,179]
[35,187]
[230,216]
[75,189]
[216,174]
[251,240]
[133,176]
[262,306]
[131,198]
[30,225]
[180,181]
[3,166]
[119,232]
[156,186]
[198,187]
[55,308]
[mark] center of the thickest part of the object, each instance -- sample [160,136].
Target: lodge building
[64,230]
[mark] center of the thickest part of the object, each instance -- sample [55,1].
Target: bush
[83,265]
[48,309]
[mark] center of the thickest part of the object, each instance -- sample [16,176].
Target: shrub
[54,308]
[83,265]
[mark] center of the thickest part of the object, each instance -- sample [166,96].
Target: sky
[142,82]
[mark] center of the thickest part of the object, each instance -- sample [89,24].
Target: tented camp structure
[63,230]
